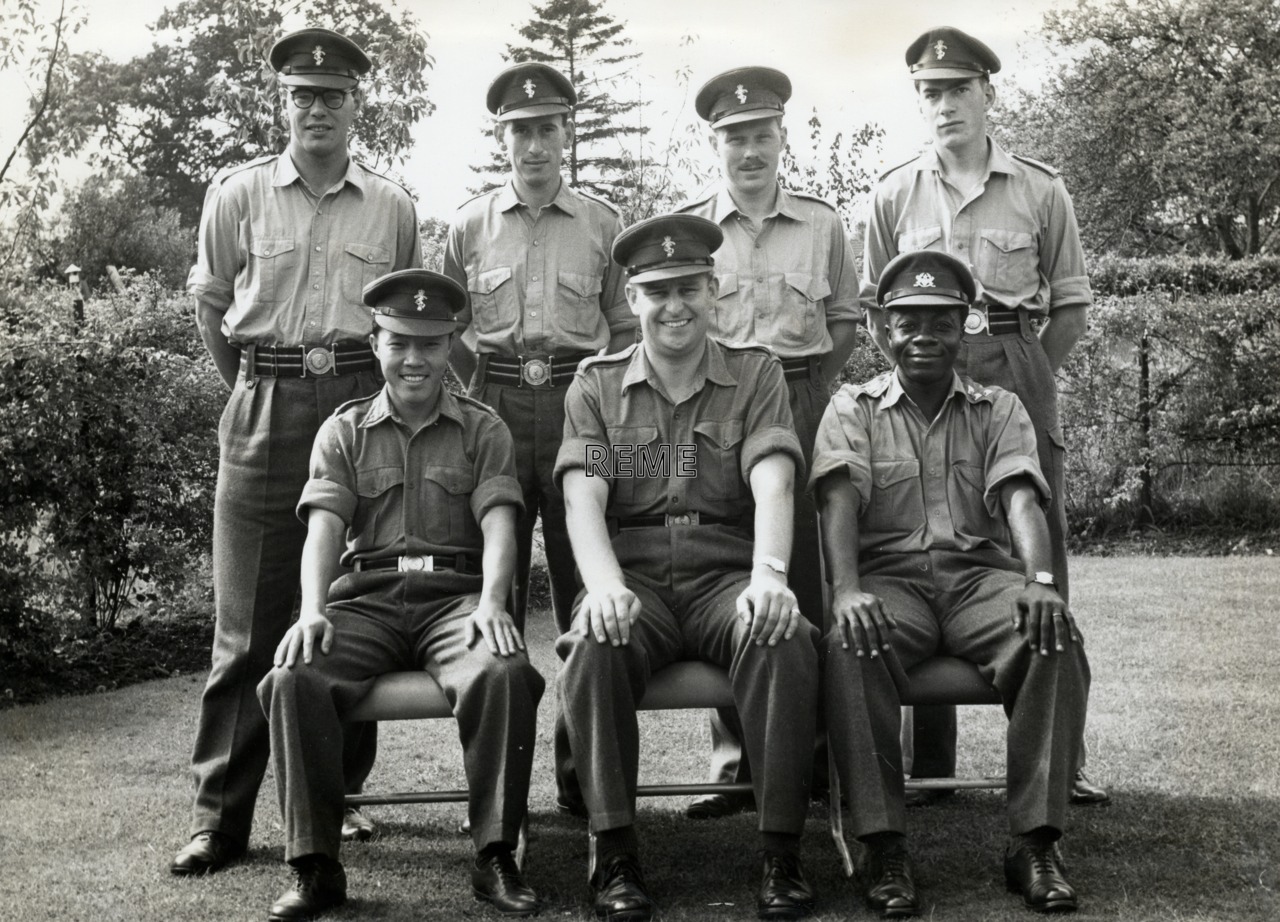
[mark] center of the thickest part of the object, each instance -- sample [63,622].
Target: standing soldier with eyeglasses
[287,244]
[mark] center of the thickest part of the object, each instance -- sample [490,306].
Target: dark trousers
[809,399]
[775,690]
[946,602]
[265,438]
[386,621]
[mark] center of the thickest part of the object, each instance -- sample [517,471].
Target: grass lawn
[1184,727]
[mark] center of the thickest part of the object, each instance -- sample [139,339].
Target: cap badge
[940,49]
[529,87]
[318,54]
[420,299]
[924,280]
[668,247]
[741,93]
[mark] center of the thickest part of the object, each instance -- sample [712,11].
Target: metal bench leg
[522,840]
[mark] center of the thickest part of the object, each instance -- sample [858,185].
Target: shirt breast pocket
[968,489]
[361,264]
[379,492]
[494,304]
[636,465]
[445,505]
[732,323]
[897,502]
[1009,263]
[578,303]
[920,238]
[271,264]
[718,459]
[798,312]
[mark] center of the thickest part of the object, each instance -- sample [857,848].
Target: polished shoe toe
[1035,871]
[356,827]
[784,893]
[320,885]
[889,878]
[1084,793]
[715,806]
[496,880]
[620,894]
[207,852]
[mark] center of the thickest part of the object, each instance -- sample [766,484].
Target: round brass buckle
[976,322]
[319,361]
[535,372]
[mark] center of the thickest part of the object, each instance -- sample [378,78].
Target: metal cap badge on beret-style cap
[742,95]
[667,247]
[945,53]
[415,302]
[318,57]
[529,91]
[925,278]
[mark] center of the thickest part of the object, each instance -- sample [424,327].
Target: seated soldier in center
[415,490]
[935,537]
[678,464]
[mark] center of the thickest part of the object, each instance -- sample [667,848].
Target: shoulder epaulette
[611,358]
[477,404]
[975,392]
[228,171]
[1042,167]
[372,172]
[809,196]
[897,166]
[342,408]
[707,195]
[477,196]
[748,347]
[873,388]
[599,200]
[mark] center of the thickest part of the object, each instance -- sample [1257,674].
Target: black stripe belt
[799,369]
[421,563]
[341,358]
[674,519]
[994,321]
[531,370]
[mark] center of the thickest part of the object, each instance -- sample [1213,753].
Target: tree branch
[48,87]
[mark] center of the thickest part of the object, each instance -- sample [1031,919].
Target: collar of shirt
[565,199]
[998,161]
[783,206]
[287,172]
[971,392]
[381,409]
[712,367]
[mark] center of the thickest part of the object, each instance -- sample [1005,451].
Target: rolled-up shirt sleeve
[843,445]
[583,428]
[1011,452]
[218,260]
[495,470]
[769,426]
[332,485]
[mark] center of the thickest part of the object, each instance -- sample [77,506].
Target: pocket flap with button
[632,435]
[971,474]
[726,433]
[814,288]
[488,281]
[1008,241]
[584,286]
[920,238]
[378,480]
[455,480]
[371,255]
[885,474]
[270,247]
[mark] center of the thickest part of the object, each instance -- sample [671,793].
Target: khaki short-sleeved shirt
[1017,231]
[925,486]
[421,493]
[782,285]
[288,269]
[542,283]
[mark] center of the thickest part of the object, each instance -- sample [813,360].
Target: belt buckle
[976,322]
[681,518]
[416,563]
[535,372]
[319,361]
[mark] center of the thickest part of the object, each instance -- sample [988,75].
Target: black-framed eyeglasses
[305,99]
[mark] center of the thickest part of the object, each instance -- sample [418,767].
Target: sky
[844,57]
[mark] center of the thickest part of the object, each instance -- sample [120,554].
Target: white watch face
[1044,579]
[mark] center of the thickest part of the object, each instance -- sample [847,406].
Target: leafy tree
[586,44]
[205,97]
[835,170]
[1165,118]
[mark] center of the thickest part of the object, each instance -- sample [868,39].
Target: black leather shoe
[496,880]
[1084,793]
[714,806]
[784,893]
[927,797]
[1035,871]
[321,885]
[620,893]
[207,852]
[888,876]
[356,827]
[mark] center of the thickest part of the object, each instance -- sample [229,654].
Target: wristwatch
[1044,578]
[773,563]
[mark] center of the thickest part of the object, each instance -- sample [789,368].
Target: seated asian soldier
[415,490]
[684,558]
[934,534]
